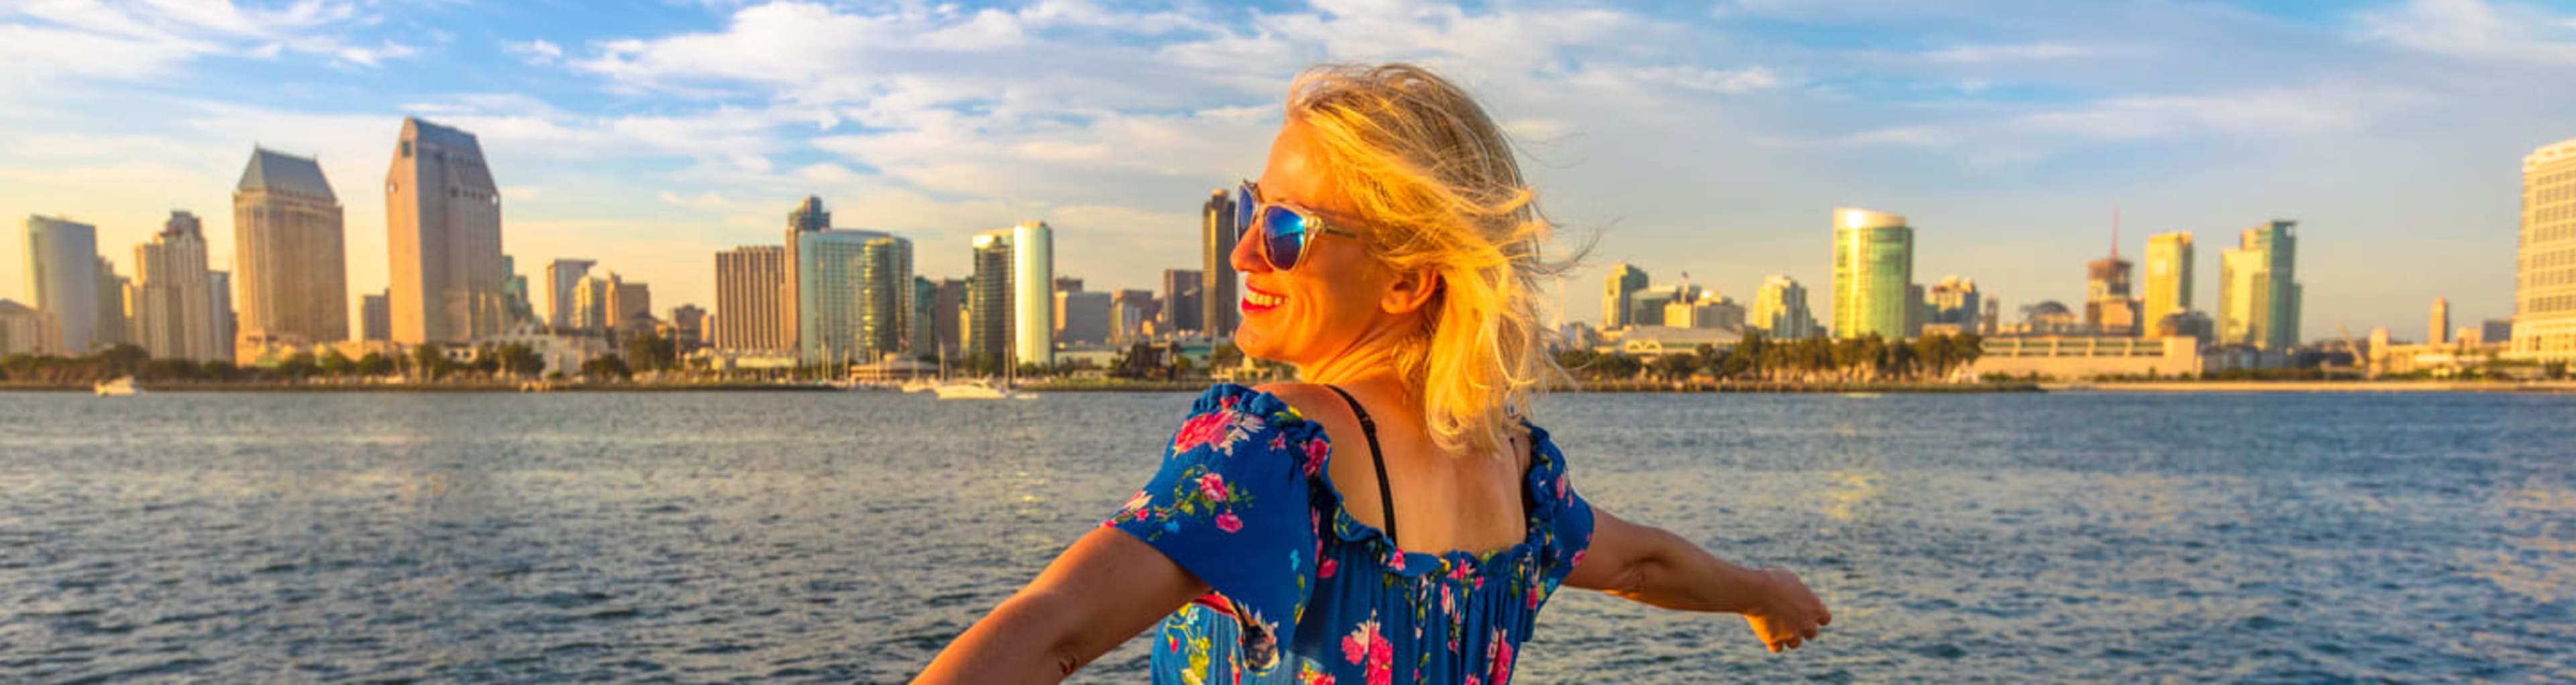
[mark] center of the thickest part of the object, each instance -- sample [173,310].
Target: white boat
[122,387]
[979,390]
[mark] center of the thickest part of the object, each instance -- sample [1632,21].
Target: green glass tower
[1873,269]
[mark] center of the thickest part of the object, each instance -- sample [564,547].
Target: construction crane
[2359,362]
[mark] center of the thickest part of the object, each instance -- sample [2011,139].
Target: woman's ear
[1412,290]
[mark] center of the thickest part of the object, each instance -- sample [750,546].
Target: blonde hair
[1436,181]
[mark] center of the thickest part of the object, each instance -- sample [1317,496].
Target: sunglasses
[1285,228]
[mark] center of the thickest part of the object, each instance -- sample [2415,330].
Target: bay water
[710,537]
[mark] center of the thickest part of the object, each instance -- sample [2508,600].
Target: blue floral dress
[1301,592]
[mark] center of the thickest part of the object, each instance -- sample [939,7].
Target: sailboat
[983,389]
[121,387]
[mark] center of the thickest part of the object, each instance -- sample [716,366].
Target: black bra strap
[1385,494]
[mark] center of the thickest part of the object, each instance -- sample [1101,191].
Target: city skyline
[2005,141]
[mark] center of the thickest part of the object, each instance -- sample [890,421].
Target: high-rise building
[1623,283]
[1218,307]
[174,300]
[921,334]
[21,329]
[562,276]
[1954,303]
[2107,304]
[2439,331]
[289,266]
[886,303]
[2544,294]
[749,281]
[1032,303]
[1132,314]
[62,270]
[2258,289]
[590,302]
[2169,277]
[1780,310]
[1082,318]
[1183,289]
[630,305]
[1709,311]
[988,300]
[809,216]
[854,294]
[1647,307]
[113,313]
[1873,273]
[220,287]
[2496,331]
[947,308]
[689,326]
[443,229]
[376,316]
[514,294]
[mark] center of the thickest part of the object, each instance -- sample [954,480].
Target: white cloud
[538,52]
[2325,109]
[2472,29]
[1981,54]
[145,39]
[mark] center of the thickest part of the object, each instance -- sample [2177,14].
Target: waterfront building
[2258,292]
[514,294]
[1780,310]
[114,312]
[443,231]
[1182,291]
[629,303]
[1219,308]
[2544,294]
[749,281]
[1617,293]
[21,329]
[1873,274]
[62,269]
[689,327]
[2169,276]
[1082,318]
[2437,330]
[1648,342]
[289,264]
[1132,314]
[2079,357]
[2185,324]
[1647,307]
[590,295]
[808,217]
[1032,307]
[843,277]
[2107,305]
[1953,303]
[947,311]
[921,331]
[219,285]
[886,303]
[988,299]
[1709,311]
[376,317]
[562,276]
[173,301]
[2496,331]
[2048,317]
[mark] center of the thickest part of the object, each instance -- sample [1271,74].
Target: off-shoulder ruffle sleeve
[1233,505]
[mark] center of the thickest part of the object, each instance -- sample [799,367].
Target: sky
[1712,139]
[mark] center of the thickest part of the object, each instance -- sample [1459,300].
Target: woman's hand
[1789,613]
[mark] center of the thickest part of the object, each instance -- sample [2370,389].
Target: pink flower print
[1316,450]
[1533,597]
[1228,523]
[1472,680]
[1462,571]
[1502,660]
[1324,568]
[1395,559]
[1446,605]
[1560,486]
[1365,643]
[1213,486]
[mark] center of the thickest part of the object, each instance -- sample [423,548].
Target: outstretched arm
[1105,589]
[1653,566]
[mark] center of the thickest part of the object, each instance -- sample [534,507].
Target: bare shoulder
[1314,400]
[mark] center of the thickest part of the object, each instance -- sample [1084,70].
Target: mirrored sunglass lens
[1243,209]
[1286,231]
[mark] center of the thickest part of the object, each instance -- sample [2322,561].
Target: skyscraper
[2258,290]
[113,314]
[989,318]
[21,329]
[808,217]
[220,285]
[1032,299]
[376,316]
[2169,278]
[590,301]
[174,300]
[630,305]
[1954,302]
[1183,289]
[514,294]
[921,332]
[689,326]
[1873,271]
[1780,310]
[2544,293]
[947,306]
[1624,282]
[562,276]
[443,228]
[289,265]
[2440,333]
[1218,307]
[2107,306]
[749,281]
[62,270]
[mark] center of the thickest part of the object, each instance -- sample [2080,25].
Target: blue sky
[1707,138]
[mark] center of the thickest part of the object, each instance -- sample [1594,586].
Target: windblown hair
[1438,189]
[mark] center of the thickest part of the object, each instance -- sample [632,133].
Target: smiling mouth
[1254,300]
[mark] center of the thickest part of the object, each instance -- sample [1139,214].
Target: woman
[1392,518]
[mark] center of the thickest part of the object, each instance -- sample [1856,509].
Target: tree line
[1756,358]
[424,362]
